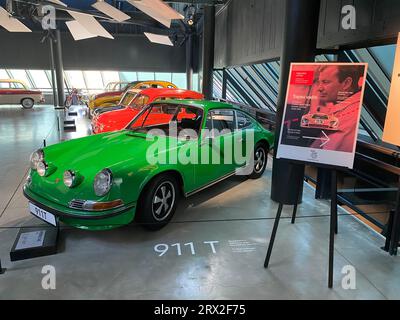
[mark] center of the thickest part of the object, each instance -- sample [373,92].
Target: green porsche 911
[171,149]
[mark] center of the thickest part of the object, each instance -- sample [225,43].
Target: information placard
[322,113]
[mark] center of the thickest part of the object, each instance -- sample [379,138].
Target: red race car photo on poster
[322,110]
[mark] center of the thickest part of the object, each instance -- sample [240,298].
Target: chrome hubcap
[163,201]
[259,160]
[27,103]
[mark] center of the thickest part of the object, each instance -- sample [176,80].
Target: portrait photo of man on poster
[339,95]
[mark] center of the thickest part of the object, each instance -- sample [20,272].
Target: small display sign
[30,240]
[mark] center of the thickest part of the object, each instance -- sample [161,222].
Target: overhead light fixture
[78,31]
[158,10]
[111,11]
[58,2]
[89,23]
[11,24]
[190,13]
[144,7]
[158,38]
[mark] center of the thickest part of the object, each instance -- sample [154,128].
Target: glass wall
[91,82]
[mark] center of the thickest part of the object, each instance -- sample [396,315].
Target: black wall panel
[378,22]
[124,53]
[250,31]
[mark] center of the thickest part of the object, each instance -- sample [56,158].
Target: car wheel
[158,202]
[260,161]
[27,103]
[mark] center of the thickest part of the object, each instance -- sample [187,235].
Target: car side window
[208,124]
[223,121]
[243,121]
[140,100]
[4,85]
[17,85]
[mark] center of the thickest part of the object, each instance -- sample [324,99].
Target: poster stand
[2,270]
[393,238]
[332,231]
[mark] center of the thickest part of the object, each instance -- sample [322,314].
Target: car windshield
[116,86]
[139,102]
[110,86]
[165,117]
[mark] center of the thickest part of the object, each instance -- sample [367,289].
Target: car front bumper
[88,220]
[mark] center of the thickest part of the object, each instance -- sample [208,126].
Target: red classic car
[320,121]
[115,90]
[119,119]
[17,92]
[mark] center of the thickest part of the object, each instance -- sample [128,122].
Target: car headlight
[41,168]
[36,157]
[72,178]
[102,182]
[69,178]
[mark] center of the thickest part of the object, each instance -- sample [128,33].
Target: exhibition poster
[391,133]
[322,113]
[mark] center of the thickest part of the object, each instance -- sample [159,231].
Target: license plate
[43,214]
[319,121]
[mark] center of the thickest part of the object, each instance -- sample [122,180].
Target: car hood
[97,151]
[122,116]
[107,94]
[99,111]
[122,152]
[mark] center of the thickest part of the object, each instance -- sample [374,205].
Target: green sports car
[169,150]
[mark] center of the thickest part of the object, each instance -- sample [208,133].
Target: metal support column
[52,73]
[299,45]
[189,62]
[59,68]
[224,82]
[208,50]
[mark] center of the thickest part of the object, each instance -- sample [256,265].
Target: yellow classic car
[115,90]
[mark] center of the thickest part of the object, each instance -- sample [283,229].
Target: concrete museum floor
[222,232]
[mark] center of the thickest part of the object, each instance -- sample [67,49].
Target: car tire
[27,103]
[260,160]
[158,202]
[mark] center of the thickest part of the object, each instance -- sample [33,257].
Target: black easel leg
[333,225]
[2,271]
[395,235]
[336,223]
[394,238]
[271,242]
[296,205]
[389,232]
[294,214]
